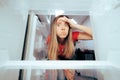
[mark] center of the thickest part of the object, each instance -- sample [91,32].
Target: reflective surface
[52,74]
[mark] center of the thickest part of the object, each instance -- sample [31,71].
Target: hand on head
[62,19]
[65,19]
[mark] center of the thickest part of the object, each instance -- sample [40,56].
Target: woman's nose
[63,28]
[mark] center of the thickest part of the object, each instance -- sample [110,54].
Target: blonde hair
[53,44]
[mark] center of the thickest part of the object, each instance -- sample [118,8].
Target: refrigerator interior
[102,16]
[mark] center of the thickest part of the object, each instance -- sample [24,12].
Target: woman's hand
[69,74]
[65,19]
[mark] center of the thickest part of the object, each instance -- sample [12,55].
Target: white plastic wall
[13,20]
[105,18]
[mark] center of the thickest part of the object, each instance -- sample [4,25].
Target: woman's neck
[61,40]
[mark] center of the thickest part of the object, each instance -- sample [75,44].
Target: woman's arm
[86,34]
[86,31]
[84,28]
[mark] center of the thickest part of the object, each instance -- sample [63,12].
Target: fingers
[69,74]
[62,19]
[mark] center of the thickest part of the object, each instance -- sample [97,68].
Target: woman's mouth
[63,33]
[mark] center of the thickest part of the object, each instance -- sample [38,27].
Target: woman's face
[62,28]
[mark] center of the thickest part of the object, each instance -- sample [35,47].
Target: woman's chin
[62,37]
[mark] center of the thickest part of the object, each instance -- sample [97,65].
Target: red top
[61,47]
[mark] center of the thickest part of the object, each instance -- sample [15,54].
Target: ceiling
[80,19]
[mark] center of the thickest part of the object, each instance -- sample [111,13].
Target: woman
[61,40]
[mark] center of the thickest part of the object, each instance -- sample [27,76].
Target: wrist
[77,26]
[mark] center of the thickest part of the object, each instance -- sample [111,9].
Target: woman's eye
[58,25]
[66,25]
